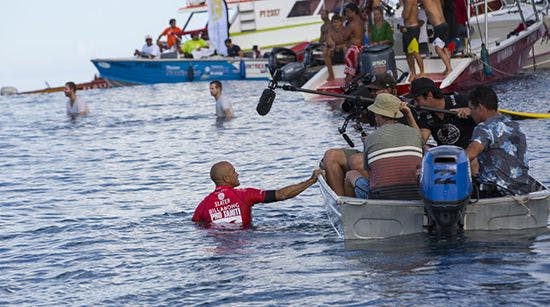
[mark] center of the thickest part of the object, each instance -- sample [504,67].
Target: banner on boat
[218,30]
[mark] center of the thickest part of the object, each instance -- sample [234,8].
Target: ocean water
[98,211]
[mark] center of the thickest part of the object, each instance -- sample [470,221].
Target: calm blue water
[98,211]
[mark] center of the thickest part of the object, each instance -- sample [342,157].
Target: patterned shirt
[503,161]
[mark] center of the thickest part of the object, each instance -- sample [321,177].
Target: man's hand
[315,174]
[462,112]
[405,108]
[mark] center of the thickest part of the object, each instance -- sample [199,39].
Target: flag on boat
[218,26]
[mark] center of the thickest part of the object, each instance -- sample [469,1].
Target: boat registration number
[269,13]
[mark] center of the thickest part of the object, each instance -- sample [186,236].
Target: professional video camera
[357,103]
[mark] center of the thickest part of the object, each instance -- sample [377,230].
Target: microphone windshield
[266,100]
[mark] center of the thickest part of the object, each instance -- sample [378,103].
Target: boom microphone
[266,100]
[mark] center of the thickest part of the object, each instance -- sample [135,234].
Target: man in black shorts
[411,34]
[446,129]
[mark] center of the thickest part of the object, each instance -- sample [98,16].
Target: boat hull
[505,61]
[145,71]
[357,219]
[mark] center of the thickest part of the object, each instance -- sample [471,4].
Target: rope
[492,67]
[522,200]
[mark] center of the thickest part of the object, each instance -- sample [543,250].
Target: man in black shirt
[232,49]
[446,129]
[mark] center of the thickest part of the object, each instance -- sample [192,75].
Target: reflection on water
[97,211]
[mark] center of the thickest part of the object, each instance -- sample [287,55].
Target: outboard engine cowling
[292,72]
[313,55]
[279,57]
[445,187]
[378,59]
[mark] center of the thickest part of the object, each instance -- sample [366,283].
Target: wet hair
[227,41]
[352,7]
[485,96]
[71,85]
[336,17]
[217,83]
[171,20]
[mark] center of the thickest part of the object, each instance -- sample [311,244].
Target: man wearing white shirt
[149,50]
[75,106]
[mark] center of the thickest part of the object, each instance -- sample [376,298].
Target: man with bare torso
[434,10]
[354,34]
[335,45]
[411,33]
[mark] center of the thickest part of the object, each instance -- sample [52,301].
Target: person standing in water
[224,109]
[231,206]
[75,106]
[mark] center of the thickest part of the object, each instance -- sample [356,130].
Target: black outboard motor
[313,55]
[279,57]
[379,59]
[445,187]
[293,73]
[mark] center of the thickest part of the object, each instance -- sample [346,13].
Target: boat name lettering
[270,13]
[505,53]
[256,65]
[151,65]
[175,71]
[215,70]
[104,65]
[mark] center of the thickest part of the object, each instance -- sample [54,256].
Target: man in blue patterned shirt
[499,145]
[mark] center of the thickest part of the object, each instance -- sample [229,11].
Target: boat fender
[485,60]
[242,69]
[190,73]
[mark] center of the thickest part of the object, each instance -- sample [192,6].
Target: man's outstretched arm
[295,189]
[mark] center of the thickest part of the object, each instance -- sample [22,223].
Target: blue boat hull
[146,71]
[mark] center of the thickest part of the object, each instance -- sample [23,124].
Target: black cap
[421,86]
[382,81]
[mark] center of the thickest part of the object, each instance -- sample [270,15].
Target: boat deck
[335,86]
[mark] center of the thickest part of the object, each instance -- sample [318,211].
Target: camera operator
[446,129]
[337,161]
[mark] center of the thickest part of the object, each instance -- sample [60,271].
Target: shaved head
[223,173]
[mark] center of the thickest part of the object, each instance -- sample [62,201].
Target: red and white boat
[507,56]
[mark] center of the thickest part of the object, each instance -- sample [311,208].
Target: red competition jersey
[228,205]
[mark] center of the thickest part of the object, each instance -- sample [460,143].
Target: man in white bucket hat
[149,50]
[392,156]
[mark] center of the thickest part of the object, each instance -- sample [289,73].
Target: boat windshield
[304,8]
[199,20]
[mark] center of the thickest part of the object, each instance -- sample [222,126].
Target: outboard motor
[378,59]
[293,73]
[445,187]
[313,55]
[279,57]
